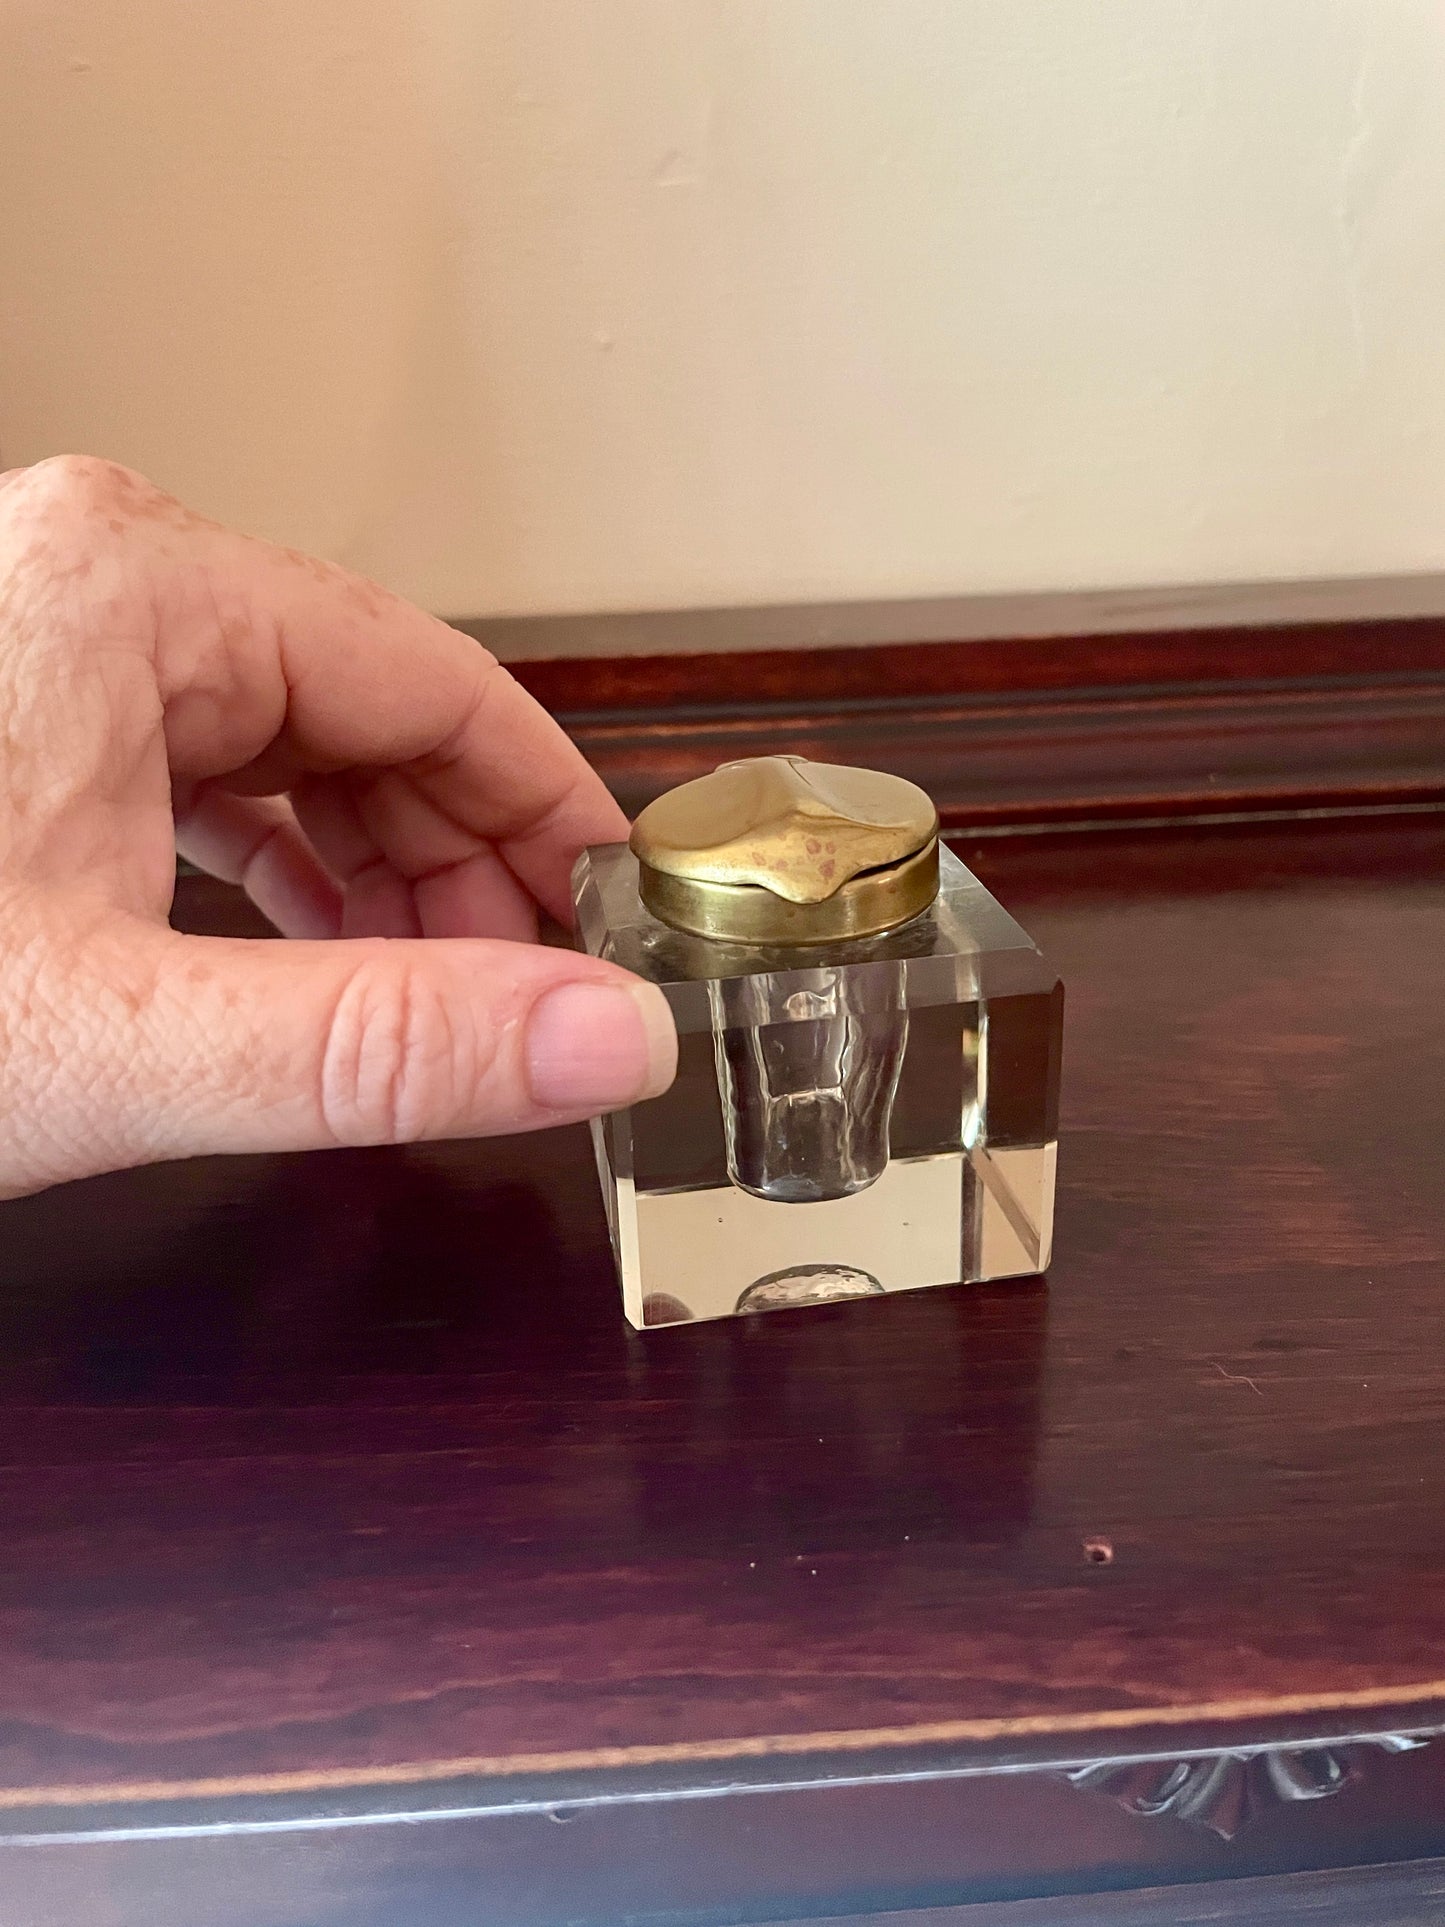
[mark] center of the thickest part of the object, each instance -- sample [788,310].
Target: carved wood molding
[1031,732]
[1225,1792]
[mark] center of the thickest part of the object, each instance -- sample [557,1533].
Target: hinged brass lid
[776,849]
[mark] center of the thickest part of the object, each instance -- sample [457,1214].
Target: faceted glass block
[848,1119]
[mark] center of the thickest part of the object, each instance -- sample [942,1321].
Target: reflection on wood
[324,1479]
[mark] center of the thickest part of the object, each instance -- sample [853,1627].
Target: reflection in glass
[807,1285]
[807,1076]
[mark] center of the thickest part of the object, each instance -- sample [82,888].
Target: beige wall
[567,305]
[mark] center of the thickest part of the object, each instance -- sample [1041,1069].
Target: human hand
[366,772]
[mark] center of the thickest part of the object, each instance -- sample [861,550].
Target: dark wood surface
[337,1486]
[1025,731]
[1406,1896]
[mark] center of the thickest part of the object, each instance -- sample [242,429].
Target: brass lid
[776,849]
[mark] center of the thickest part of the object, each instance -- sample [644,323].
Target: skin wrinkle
[259,844]
[433,871]
[327,812]
[432,874]
[440,759]
[237,701]
[79,994]
[391,796]
[257,852]
[67,724]
[444,758]
[388,1042]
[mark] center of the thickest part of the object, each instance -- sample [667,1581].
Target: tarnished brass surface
[779,849]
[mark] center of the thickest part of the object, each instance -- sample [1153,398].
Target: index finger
[264,654]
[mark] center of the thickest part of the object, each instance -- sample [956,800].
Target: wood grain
[335,1482]
[349,1461]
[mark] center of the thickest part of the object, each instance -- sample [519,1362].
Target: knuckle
[60,517]
[389,1070]
[79,485]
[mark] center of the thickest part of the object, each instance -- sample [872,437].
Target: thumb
[176,1046]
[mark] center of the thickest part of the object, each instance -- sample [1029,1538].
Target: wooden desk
[335,1490]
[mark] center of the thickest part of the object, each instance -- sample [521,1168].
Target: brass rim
[872,902]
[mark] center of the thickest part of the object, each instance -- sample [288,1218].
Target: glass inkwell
[868,1073]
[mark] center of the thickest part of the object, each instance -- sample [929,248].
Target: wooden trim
[1052,730]
[1414,1707]
[1010,667]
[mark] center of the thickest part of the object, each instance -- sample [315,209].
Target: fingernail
[595,1047]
